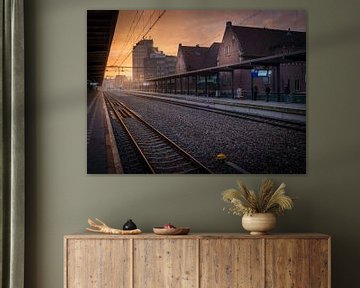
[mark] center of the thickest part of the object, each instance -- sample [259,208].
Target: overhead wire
[131,31]
[211,39]
[130,36]
[256,13]
[253,15]
[127,36]
[144,35]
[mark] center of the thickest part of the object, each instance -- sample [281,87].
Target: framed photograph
[196,91]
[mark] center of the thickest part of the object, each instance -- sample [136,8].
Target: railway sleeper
[159,148]
[153,143]
[171,163]
[162,156]
[126,113]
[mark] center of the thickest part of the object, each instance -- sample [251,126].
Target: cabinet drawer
[98,263]
[297,263]
[231,263]
[165,263]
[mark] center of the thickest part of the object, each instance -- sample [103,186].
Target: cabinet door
[288,263]
[231,263]
[166,263]
[98,263]
[320,263]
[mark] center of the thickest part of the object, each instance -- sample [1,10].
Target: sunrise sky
[189,27]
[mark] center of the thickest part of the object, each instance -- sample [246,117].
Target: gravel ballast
[257,148]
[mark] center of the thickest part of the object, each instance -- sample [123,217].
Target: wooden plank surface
[319,263]
[165,263]
[89,235]
[98,263]
[287,263]
[197,260]
[231,263]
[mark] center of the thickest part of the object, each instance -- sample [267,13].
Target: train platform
[102,158]
[292,112]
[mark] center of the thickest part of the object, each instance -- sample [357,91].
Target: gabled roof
[212,54]
[260,42]
[196,57]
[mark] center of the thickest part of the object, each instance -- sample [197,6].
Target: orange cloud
[189,27]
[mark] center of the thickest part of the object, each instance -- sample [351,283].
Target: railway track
[159,153]
[260,119]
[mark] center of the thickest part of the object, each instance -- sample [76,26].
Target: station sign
[260,73]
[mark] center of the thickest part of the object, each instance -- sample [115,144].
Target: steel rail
[165,139]
[186,156]
[120,119]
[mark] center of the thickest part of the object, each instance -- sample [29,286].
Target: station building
[241,43]
[191,58]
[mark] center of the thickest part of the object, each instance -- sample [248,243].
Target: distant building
[140,52]
[121,81]
[191,58]
[159,64]
[149,62]
[242,43]
[108,83]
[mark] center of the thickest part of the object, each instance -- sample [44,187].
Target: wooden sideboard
[197,260]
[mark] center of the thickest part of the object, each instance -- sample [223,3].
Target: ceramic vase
[259,223]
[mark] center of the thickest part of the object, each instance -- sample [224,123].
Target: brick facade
[244,43]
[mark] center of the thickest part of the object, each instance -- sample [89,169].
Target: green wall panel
[60,195]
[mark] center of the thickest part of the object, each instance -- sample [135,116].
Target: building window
[227,50]
[297,85]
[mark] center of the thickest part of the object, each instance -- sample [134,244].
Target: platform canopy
[268,61]
[100,30]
